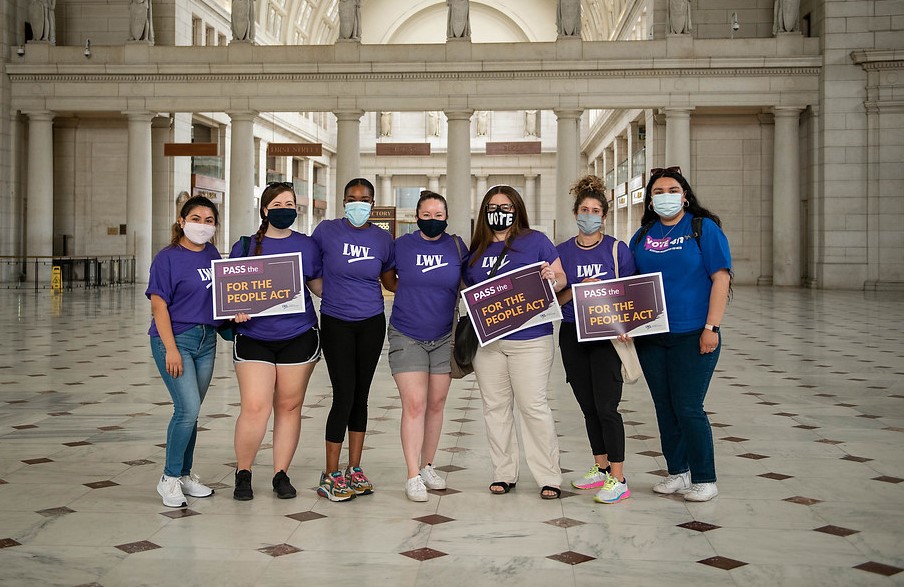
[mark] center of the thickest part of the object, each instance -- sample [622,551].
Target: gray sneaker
[679,483]
[431,479]
[170,489]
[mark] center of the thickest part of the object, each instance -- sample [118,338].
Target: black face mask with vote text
[499,220]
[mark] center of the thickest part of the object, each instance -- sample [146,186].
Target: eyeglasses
[281,184]
[663,170]
[504,207]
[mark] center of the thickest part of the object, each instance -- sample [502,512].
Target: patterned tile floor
[807,410]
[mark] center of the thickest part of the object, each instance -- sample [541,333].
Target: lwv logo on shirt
[206,274]
[430,262]
[593,270]
[356,252]
[489,262]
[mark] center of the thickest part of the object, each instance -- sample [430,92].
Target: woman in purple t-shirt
[274,356]
[514,370]
[184,339]
[355,255]
[427,276]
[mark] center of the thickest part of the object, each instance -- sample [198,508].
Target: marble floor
[807,409]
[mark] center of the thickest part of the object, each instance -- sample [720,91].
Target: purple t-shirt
[529,248]
[579,264]
[284,326]
[183,279]
[353,259]
[429,273]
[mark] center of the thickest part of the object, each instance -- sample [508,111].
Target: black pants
[352,350]
[594,371]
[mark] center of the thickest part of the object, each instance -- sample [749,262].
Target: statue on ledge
[350,20]
[42,18]
[680,17]
[459,25]
[141,26]
[568,18]
[785,14]
[243,20]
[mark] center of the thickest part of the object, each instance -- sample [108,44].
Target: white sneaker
[674,484]
[170,489]
[192,486]
[431,479]
[415,489]
[701,492]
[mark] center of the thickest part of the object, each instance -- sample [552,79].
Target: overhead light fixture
[735,25]
[88,48]
[20,51]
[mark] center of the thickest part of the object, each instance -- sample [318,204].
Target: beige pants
[515,373]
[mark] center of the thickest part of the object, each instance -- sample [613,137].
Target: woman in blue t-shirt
[684,241]
[427,275]
[274,356]
[514,370]
[184,339]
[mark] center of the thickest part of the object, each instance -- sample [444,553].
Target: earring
[686,204]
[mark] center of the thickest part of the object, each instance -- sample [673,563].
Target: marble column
[786,213]
[433,183]
[243,218]
[386,197]
[458,172]
[162,196]
[531,201]
[678,139]
[567,169]
[39,206]
[309,217]
[139,195]
[348,151]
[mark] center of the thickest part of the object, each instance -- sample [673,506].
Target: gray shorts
[407,355]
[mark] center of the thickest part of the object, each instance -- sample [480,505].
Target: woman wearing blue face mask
[356,254]
[593,368]
[684,241]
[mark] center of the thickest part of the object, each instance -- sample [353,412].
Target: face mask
[667,205]
[500,220]
[281,217]
[589,223]
[198,233]
[431,227]
[357,213]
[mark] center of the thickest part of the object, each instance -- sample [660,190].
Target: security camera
[20,51]
[88,48]
[735,25]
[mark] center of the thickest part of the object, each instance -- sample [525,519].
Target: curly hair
[590,186]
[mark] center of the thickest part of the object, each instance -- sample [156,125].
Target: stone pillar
[348,151]
[531,201]
[309,219]
[139,208]
[162,197]
[567,169]
[678,139]
[39,207]
[387,198]
[433,183]
[786,214]
[458,172]
[243,218]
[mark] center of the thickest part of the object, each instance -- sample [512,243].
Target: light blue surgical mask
[667,205]
[589,223]
[357,213]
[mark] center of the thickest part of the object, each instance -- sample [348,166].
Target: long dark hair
[483,234]
[590,186]
[268,195]
[189,205]
[693,204]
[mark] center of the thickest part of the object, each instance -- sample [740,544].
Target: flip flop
[556,490]
[506,487]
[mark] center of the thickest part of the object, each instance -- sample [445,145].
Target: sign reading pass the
[630,305]
[265,285]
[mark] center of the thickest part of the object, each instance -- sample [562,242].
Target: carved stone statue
[350,20]
[385,124]
[243,20]
[531,128]
[459,25]
[680,17]
[42,18]
[568,18]
[141,25]
[482,119]
[433,123]
[785,15]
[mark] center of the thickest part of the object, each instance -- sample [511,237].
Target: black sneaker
[243,491]
[282,487]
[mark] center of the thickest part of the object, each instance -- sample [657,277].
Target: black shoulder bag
[466,344]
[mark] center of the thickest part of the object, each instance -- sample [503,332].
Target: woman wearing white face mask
[684,241]
[356,254]
[593,368]
[184,339]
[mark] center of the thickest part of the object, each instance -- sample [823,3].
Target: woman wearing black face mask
[274,356]
[427,275]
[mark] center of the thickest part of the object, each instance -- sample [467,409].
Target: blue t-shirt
[686,268]
[182,278]
[284,326]
[429,273]
[353,259]
[579,264]
[529,247]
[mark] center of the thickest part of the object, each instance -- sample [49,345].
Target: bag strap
[498,261]
[615,256]
[246,245]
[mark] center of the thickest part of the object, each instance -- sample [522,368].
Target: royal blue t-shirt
[284,326]
[529,247]
[429,273]
[686,268]
[579,264]
[182,278]
[353,259]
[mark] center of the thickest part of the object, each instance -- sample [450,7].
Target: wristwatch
[712,327]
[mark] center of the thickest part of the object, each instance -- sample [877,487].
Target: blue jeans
[678,377]
[198,347]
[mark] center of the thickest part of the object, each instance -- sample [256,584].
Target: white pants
[515,373]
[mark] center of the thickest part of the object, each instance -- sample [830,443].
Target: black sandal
[556,490]
[506,487]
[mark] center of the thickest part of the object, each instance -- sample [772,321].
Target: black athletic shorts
[301,350]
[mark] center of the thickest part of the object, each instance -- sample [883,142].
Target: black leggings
[352,350]
[594,371]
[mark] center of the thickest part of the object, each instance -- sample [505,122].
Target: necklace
[591,245]
[662,229]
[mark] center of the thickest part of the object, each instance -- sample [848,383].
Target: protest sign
[630,305]
[510,302]
[265,285]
